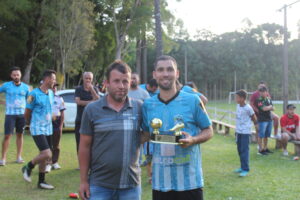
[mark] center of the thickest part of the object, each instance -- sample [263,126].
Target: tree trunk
[26,77]
[138,59]
[31,44]
[144,60]
[158,30]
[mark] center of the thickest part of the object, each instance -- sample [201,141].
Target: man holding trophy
[177,123]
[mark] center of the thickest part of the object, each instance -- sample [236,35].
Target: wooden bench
[295,142]
[224,128]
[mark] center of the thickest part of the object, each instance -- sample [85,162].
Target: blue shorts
[14,121]
[264,129]
[102,193]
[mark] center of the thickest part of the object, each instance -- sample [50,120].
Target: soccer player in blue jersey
[176,169]
[191,87]
[15,94]
[150,87]
[38,115]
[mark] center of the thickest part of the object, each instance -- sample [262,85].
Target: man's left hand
[187,141]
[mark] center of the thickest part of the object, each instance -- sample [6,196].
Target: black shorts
[14,121]
[196,194]
[43,142]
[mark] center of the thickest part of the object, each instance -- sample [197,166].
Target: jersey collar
[168,101]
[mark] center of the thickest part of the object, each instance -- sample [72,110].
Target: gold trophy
[165,139]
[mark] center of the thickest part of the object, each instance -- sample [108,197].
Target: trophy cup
[165,139]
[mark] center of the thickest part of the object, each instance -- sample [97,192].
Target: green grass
[271,178]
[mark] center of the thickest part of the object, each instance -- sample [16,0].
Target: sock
[41,177]
[30,165]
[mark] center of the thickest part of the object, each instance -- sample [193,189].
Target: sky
[220,16]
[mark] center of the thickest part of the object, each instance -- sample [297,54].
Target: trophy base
[165,139]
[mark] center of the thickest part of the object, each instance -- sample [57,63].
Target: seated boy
[289,123]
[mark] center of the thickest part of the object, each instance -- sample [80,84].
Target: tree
[158,29]
[74,26]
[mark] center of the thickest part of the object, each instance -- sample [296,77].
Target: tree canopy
[73,36]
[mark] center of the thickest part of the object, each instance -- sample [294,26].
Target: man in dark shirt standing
[253,100]
[265,107]
[110,141]
[84,94]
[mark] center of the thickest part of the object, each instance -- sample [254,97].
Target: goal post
[231,96]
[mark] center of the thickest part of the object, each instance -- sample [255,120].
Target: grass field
[273,177]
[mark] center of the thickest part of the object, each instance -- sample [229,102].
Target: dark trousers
[196,194]
[55,148]
[242,141]
[77,134]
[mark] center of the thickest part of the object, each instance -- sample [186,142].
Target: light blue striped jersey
[191,90]
[174,167]
[15,97]
[40,104]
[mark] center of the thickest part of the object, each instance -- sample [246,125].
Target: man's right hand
[84,191]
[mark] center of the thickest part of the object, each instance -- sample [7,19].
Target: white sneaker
[26,173]
[2,162]
[48,168]
[20,161]
[285,153]
[56,166]
[46,186]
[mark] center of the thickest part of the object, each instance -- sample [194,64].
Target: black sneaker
[26,173]
[268,151]
[46,186]
[262,153]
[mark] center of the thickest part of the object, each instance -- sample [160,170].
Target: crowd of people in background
[260,111]
[112,131]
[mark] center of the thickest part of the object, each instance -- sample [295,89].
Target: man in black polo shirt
[84,94]
[110,141]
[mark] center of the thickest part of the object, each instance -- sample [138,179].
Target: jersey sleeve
[283,122]
[62,104]
[146,95]
[77,92]
[27,92]
[86,127]
[250,111]
[31,100]
[201,117]
[3,88]
[297,120]
[145,125]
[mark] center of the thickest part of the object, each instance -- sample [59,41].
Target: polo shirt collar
[128,103]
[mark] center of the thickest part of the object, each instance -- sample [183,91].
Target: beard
[133,85]
[165,86]
[118,97]
[16,80]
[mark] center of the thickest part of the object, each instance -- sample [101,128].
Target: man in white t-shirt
[57,124]
[244,118]
[135,91]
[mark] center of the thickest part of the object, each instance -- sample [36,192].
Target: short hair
[262,82]
[48,73]
[290,106]
[263,89]
[135,73]
[242,94]
[14,69]
[164,57]
[85,73]
[152,83]
[118,65]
